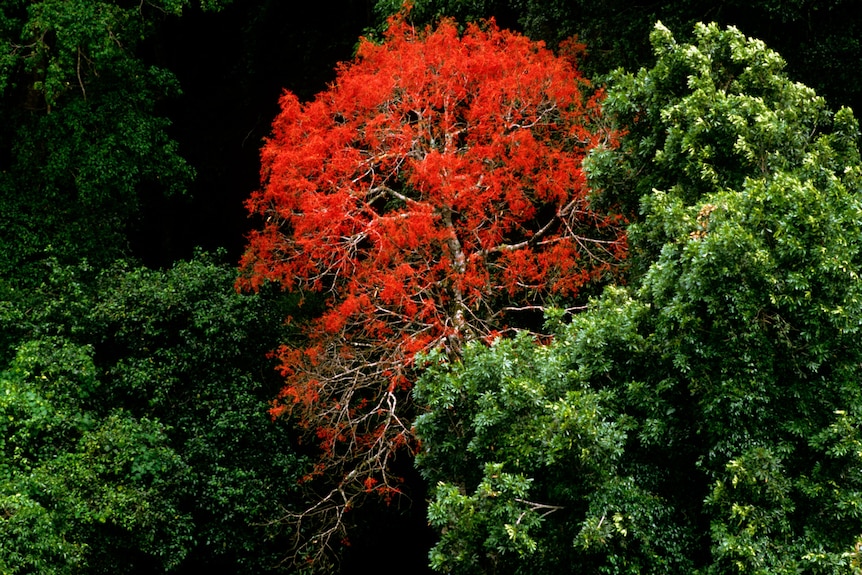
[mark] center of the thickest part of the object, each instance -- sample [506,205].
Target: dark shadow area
[393,539]
[232,67]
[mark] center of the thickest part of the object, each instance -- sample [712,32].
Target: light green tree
[706,417]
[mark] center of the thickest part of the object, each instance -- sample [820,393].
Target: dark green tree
[135,423]
[706,418]
[83,137]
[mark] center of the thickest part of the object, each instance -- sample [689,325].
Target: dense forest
[500,286]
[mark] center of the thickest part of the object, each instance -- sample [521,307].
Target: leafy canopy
[83,138]
[705,419]
[133,428]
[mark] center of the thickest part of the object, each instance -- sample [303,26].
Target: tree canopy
[705,418]
[83,139]
[133,427]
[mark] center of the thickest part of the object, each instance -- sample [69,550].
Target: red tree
[433,188]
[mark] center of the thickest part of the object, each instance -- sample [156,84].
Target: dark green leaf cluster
[705,419]
[134,432]
[83,138]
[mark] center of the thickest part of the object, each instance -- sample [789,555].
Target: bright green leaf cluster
[79,491]
[705,419]
[529,455]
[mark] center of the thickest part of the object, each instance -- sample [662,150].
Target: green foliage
[183,346]
[705,118]
[528,457]
[137,428]
[81,493]
[728,370]
[83,138]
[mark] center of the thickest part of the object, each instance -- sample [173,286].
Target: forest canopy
[508,304]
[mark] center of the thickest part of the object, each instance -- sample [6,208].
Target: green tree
[530,452]
[82,492]
[706,418]
[169,369]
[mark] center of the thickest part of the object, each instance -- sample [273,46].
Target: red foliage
[435,185]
